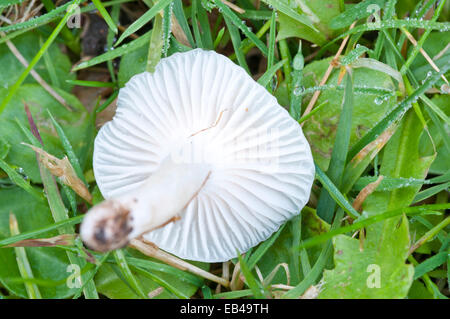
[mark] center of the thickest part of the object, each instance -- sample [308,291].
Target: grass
[350,120]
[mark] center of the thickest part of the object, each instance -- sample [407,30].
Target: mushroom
[199,159]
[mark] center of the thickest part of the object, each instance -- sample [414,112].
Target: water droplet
[378,100]
[298,90]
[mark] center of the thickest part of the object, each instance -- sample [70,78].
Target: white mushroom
[199,159]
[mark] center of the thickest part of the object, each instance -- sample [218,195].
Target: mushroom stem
[158,201]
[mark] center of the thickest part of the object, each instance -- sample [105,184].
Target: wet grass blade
[109,21]
[314,273]
[38,21]
[262,249]
[144,19]
[255,286]
[68,148]
[17,179]
[326,204]
[127,274]
[204,25]
[164,283]
[234,19]
[156,44]
[181,18]
[415,210]
[265,79]
[272,33]
[22,262]
[284,8]
[335,193]
[117,52]
[236,40]
[397,113]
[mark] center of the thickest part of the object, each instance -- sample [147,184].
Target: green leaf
[379,269]
[132,63]
[435,44]
[326,205]
[76,125]
[28,45]
[319,13]
[430,264]
[48,263]
[127,274]
[397,112]
[320,129]
[4,148]
[180,16]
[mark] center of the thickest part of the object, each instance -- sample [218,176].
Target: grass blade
[264,80]
[22,262]
[236,40]
[144,19]
[335,193]
[326,205]
[109,21]
[233,18]
[128,275]
[255,286]
[34,233]
[117,52]
[396,114]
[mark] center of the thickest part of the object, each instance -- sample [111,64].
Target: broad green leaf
[77,126]
[434,45]
[419,291]
[379,269]
[28,45]
[49,264]
[132,63]
[369,107]
[4,148]
[319,13]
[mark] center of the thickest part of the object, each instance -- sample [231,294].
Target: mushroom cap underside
[199,106]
